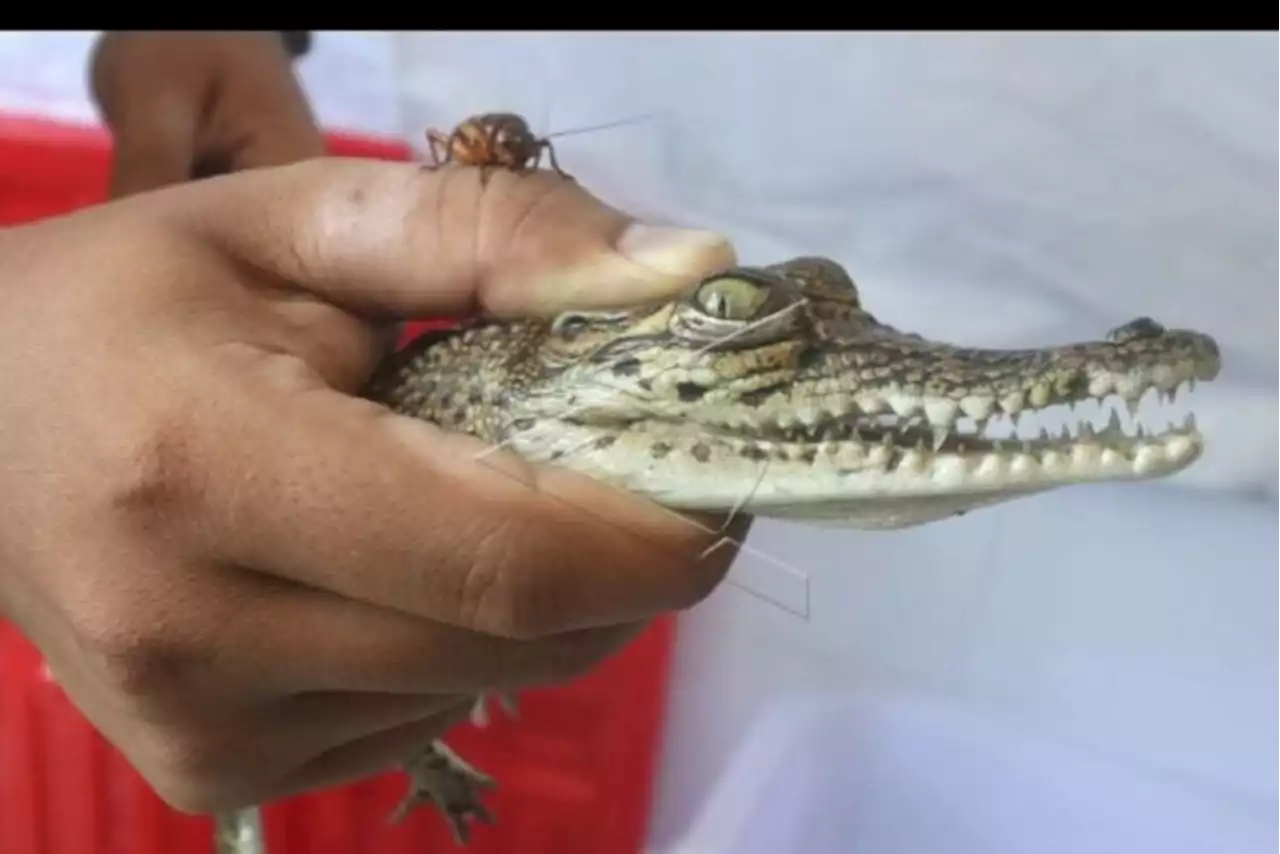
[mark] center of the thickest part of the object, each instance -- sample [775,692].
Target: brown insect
[499,140]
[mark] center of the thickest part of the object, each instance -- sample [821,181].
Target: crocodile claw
[480,711]
[441,777]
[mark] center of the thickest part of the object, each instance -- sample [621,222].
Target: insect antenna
[605,126]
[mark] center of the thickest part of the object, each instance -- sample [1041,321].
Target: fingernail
[675,251]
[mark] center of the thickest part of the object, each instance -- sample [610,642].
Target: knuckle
[138,664]
[144,464]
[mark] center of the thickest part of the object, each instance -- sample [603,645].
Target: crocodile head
[773,391]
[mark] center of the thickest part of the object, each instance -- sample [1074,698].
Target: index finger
[340,494]
[263,118]
[154,142]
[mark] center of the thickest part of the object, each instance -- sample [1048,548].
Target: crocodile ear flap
[621,349]
[569,324]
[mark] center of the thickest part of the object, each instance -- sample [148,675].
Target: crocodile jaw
[848,482]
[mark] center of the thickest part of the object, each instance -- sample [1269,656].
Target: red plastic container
[575,769]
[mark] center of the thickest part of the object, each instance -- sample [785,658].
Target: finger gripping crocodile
[773,391]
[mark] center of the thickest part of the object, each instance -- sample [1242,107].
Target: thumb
[394,240]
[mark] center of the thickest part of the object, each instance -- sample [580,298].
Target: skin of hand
[184,104]
[253,581]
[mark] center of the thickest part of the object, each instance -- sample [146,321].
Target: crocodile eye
[731,298]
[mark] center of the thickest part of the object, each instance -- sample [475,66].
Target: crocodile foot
[441,777]
[480,711]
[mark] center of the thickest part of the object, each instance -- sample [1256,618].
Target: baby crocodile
[772,391]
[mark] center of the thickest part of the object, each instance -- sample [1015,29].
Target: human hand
[250,580]
[184,104]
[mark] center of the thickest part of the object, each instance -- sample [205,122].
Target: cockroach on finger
[499,140]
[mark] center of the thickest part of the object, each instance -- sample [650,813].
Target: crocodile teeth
[936,426]
[808,415]
[904,406]
[941,412]
[977,408]
[871,403]
[1012,403]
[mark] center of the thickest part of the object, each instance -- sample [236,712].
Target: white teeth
[940,412]
[978,408]
[1105,422]
[871,403]
[1119,425]
[1012,403]
[903,405]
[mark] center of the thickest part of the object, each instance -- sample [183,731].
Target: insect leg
[545,145]
[440,147]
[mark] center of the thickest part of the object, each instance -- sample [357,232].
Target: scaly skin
[772,391]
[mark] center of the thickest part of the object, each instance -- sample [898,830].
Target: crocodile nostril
[1143,327]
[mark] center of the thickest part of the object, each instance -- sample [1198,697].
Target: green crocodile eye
[731,298]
